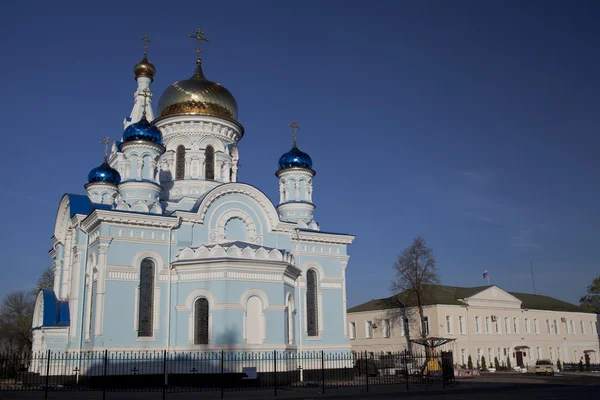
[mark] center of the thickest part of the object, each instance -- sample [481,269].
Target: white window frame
[507,325]
[526,325]
[538,351]
[551,352]
[572,326]
[556,327]
[490,361]
[369,331]
[497,326]
[558,355]
[449,327]
[461,325]
[548,327]
[386,328]
[352,328]
[477,325]
[582,326]
[536,326]
[463,356]
[516,325]
[426,324]
[488,328]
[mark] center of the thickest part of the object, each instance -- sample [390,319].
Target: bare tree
[16,314]
[592,299]
[416,273]
[45,281]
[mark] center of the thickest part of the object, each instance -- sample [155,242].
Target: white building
[485,322]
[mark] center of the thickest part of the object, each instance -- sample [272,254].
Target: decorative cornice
[199,125]
[127,218]
[323,237]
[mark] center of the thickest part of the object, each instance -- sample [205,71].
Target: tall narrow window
[180,160]
[209,163]
[352,330]
[426,325]
[477,327]
[312,304]
[201,321]
[92,304]
[146,299]
[461,327]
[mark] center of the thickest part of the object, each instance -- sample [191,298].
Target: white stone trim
[157,258]
[255,292]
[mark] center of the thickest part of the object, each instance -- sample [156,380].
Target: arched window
[146,306]
[180,162]
[201,321]
[312,303]
[209,162]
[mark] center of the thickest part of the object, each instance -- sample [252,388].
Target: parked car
[545,367]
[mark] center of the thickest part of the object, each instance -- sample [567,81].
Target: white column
[100,290]
[140,164]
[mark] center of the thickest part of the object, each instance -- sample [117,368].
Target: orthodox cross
[199,36]
[105,142]
[146,41]
[145,95]
[294,126]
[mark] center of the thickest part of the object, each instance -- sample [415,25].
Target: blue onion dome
[295,159]
[104,174]
[142,130]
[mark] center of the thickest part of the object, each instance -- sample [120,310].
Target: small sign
[250,372]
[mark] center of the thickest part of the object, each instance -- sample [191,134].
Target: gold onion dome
[197,96]
[144,68]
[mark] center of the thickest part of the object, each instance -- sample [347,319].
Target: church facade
[168,251]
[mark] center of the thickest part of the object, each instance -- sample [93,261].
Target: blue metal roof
[79,204]
[56,313]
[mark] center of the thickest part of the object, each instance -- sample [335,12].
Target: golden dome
[144,68]
[199,96]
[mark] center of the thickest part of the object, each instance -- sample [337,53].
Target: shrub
[483,365]
[508,365]
[496,364]
[470,363]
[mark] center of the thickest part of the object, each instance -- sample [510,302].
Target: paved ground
[489,387]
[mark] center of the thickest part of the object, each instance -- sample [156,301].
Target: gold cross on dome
[294,126]
[105,142]
[199,36]
[146,41]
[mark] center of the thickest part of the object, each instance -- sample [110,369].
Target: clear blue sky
[474,124]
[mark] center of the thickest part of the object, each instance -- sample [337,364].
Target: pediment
[493,294]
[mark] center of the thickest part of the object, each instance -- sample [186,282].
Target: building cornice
[127,218]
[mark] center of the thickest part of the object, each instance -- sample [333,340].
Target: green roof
[440,294]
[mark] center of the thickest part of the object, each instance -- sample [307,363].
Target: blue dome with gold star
[142,130]
[295,159]
[104,174]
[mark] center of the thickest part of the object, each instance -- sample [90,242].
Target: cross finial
[146,41]
[145,95]
[294,126]
[105,142]
[199,36]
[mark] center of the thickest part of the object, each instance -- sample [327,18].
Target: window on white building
[461,326]
[536,326]
[490,360]
[575,359]
[558,353]
[386,328]
[463,356]
[369,329]
[556,332]
[478,356]
[449,329]
[497,325]
[538,352]
[477,325]
[526,325]
[548,326]
[426,325]
[572,326]
[516,325]
[352,330]
[487,325]
[507,326]
[592,327]
[551,349]
[499,353]
[582,325]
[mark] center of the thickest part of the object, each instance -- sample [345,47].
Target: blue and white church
[167,250]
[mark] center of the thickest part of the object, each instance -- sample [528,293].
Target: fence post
[166,374]
[47,374]
[104,379]
[275,370]
[366,363]
[323,370]
[222,376]
[406,364]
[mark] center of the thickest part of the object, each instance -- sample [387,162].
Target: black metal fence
[580,367]
[219,371]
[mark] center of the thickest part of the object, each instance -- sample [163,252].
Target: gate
[447,367]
